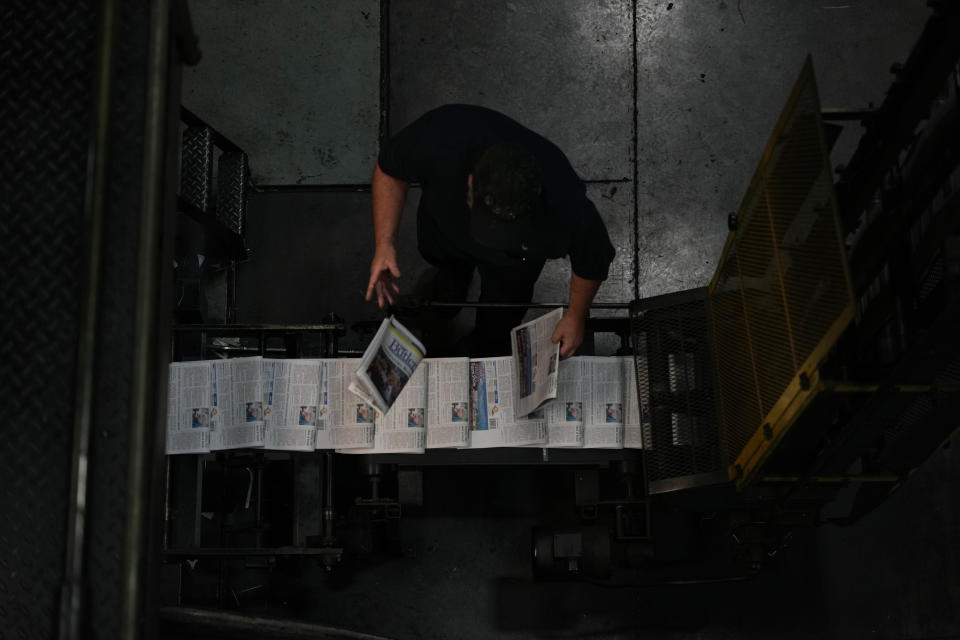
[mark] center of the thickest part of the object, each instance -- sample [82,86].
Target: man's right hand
[383,274]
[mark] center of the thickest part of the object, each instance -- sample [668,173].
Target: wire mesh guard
[674,376]
[716,373]
[781,295]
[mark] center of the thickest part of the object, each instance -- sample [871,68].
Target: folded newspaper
[303,405]
[535,360]
[387,365]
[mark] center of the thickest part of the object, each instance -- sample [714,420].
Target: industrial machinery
[821,362]
[822,357]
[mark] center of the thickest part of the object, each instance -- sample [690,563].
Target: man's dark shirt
[440,149]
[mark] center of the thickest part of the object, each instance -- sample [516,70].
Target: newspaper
[291,400]
[214,405]
[564,415]
[535,360]
[349,418]
[190,407]
[597,405]
[603,402]
[493,422]
[387,365]
[244,407]
[448,402]
[237,382]
[403,428]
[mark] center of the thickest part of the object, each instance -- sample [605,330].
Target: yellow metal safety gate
[782,294]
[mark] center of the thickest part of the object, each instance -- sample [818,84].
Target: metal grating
[781,295]
[46,62]
[675,384]
[232,177]
[196,167]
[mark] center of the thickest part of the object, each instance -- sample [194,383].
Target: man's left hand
[569,333]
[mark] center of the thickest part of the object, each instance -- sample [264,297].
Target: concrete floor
[664,166]
[295,84]
[664,108]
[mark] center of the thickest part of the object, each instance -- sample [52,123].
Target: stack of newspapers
[396,400]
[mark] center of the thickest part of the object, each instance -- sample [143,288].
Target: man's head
[505,196]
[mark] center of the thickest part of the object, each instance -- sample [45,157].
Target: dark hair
[507,181]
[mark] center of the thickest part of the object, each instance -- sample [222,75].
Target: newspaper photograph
[350,419]
[403,428]
[448,402]
[535,361]
[191,407]
[564,415]
[493,422]
[387,365]
[291,393]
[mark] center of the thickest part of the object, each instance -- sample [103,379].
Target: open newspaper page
[324,437]
[403,428]
[636,410]
[350,418]
[240,396]
[535,361]
[291,393]
[493,422]
[448,402]
[603,402]
[191,407]
[387,365]
[565,414]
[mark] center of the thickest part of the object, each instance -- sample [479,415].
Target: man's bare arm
[388,195]
[570,329]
